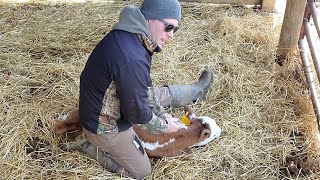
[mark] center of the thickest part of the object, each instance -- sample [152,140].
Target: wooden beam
[248,2]
[268,5]
[291,27]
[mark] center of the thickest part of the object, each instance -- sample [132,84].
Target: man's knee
[142,172]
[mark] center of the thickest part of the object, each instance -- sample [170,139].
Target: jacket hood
[132,20]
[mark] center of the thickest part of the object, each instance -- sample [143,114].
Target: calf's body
[201,131]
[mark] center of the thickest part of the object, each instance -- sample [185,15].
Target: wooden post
[268,5]
[291,27]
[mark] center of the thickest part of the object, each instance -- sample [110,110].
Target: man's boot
[103,158]
[184,94]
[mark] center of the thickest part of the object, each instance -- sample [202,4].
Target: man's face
[158,30]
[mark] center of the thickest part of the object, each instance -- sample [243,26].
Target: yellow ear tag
[185,120]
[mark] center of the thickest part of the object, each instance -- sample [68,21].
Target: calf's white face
[214,129]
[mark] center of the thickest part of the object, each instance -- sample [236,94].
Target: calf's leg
[68,122]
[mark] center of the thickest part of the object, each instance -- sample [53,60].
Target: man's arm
[156,124]
[138,102]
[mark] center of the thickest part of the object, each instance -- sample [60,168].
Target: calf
[201,131]
[68,122]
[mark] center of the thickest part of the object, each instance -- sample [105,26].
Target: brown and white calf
[201,131]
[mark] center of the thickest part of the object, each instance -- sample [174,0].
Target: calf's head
[209,131]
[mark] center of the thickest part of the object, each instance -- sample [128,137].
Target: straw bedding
[269,129]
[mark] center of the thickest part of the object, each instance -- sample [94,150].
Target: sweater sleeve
[133,88]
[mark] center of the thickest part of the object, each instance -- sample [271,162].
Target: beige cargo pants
[125,147]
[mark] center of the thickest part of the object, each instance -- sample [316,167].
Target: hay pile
[264,112]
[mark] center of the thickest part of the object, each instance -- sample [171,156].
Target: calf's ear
[205,134]
[189,112]
[188,109]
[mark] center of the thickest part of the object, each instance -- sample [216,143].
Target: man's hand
[172,124]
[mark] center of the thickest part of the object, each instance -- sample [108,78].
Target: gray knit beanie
[161,9]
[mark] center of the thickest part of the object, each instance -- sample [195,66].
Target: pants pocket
[137,143]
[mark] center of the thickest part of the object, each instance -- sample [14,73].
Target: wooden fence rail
[266,5]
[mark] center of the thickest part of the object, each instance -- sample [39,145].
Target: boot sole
[205,91]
